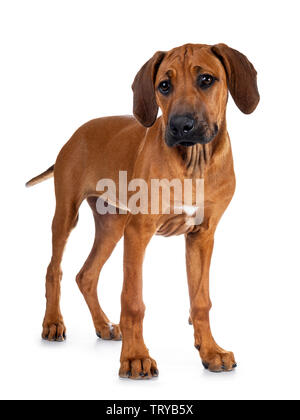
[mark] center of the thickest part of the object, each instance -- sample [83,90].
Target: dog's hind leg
[64,220]
[109,230]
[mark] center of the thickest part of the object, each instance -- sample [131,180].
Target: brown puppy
[190,85]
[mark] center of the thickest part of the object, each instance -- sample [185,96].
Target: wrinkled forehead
[190,58]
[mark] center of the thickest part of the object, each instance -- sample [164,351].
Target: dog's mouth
[186,143]
[201,135]
[198,138]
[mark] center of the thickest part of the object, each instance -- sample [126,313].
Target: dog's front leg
[135,360]
[199,247]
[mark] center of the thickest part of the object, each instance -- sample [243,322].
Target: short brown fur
[103,147]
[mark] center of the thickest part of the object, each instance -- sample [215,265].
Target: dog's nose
[181,125]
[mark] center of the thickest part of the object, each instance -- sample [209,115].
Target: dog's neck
[196,159]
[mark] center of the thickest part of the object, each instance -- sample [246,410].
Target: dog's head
[190,84]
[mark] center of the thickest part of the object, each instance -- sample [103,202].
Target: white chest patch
[190,210]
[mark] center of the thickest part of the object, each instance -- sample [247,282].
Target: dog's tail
[40,178]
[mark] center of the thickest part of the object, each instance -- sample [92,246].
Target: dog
[190,85]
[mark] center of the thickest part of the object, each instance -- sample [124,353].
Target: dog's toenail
[98,335]
[197,347]
[155,372]
[234,365]
[205,365]
[128,373]
[142,374]
[146,374]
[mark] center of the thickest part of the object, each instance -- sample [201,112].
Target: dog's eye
[164,87]
[205,81]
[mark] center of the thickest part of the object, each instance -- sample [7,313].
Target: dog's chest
[188,219]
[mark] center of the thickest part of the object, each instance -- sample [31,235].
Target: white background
[65,62]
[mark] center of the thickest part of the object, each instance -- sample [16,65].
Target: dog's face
[190,85]
[191,90]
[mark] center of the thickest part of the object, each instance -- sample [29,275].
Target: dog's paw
[218,360]
[138,369]
[109,332]
[54,331]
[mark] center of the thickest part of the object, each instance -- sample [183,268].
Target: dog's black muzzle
[184,130]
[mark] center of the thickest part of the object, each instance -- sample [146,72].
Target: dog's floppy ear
[145,108]
[241,77]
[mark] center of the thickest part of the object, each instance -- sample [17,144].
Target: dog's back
[90,148]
